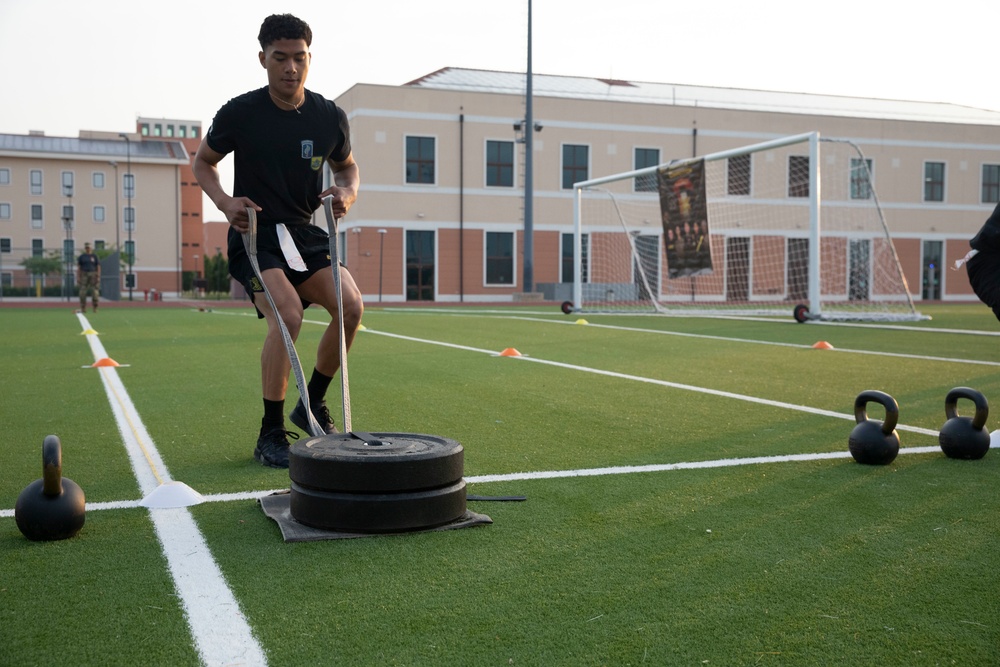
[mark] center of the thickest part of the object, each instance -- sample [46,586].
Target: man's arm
[206,170]
[347,179]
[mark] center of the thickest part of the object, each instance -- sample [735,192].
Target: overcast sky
[69,65]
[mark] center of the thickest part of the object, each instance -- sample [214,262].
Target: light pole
[67,218]
[381,245]
[118,226]
[130,278]
[117,209]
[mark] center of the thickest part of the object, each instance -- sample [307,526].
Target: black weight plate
[377,512]
[402,462]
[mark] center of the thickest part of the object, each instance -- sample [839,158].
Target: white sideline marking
[662,383]
[751,341]
[221,633]
[551,474]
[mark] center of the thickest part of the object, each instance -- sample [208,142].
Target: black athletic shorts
[984,276]
[312,242]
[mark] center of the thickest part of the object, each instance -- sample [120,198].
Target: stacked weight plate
[377,482]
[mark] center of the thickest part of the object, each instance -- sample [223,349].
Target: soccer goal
[793,226]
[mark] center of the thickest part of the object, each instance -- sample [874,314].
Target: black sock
[274,416]
[318,384]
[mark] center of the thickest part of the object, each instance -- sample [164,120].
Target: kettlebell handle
[52,466]
[882,398]
[982,406]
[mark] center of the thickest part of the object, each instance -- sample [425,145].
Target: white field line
[560,474]
[242,496]
[221,633]
[462,311]
[752,341]
[662,383]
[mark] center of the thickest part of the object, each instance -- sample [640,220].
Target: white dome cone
[172,494]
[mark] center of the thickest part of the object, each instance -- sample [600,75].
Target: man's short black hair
[283,26]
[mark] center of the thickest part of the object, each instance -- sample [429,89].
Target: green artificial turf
[783,563]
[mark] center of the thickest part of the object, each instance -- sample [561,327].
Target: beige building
[441,211]
[57,193]
[125,191]
[440,216]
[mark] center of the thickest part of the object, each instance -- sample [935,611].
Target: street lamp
[130,278]
[67,218]
[117,209]
[118,225]
[381,245]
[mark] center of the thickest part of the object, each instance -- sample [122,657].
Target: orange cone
[510,352]
[822,345]
[106,361]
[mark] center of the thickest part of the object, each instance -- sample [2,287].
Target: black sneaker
[272,448]
[320,412]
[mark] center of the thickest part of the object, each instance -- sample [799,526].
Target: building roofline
[684,95]
[148,151]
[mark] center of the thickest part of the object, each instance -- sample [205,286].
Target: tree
[217,273]
[43,266]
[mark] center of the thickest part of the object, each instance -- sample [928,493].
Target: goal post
[794,226]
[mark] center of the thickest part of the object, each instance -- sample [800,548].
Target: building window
[861,174]
[97,180]
[68,215]
[36,216]
[738,170]
[4,176]
[182,131]
[99,215]
[645,157]
[128,256]
[144,129]
[157,130]
[99,244]
[575,162]
[128,185]
[5,245]
[195,131]
[500,164]
[934,181]
[420,160]
[4,211]
[170,130]
[499,258]
[991,183]
[129,219]
[67,184]
[35,178]
[798,175]
[37,247]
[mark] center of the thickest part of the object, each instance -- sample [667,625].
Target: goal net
[793,227]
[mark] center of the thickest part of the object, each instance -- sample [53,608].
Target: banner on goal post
[684,209]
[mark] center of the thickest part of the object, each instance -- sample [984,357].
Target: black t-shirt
[988,237]
[88,262]
[279,154]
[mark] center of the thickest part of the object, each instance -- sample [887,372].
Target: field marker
[662,383]
[752,341]
[220,631]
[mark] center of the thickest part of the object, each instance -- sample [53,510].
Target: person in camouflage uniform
[88,277]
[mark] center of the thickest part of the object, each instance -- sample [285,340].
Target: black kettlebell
[51,508]
[965,437]
[874,442]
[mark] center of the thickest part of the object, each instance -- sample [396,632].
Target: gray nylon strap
[345,387]
[250,243]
